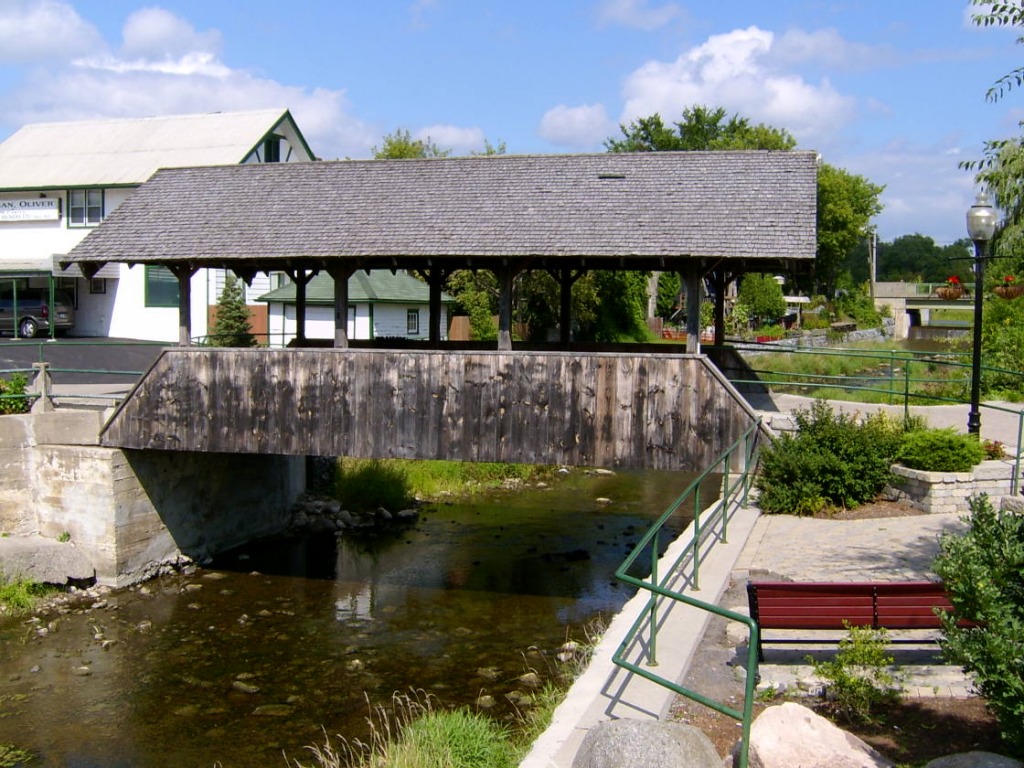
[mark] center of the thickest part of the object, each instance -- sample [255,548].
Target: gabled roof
[634,207]
[128,151]
[377,287]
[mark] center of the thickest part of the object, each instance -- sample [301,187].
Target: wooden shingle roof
[621,210]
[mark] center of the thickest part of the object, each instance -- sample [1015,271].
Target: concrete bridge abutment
[131,512]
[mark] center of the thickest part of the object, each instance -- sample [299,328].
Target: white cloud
[156,34]
[167,67]
[41,30]
[583,127]
[461,141]
[635,13]
[828,47]
[736,71]
[925,191]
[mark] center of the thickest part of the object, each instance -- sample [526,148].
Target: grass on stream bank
[18,596]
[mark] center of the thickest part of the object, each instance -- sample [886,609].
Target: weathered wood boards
[616,410]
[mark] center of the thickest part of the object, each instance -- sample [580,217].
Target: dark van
[33,317]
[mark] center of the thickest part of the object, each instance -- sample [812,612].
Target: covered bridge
[702,214]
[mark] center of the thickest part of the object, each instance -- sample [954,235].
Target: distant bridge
[912,303]
[641,410]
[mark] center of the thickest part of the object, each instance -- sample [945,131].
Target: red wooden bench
[827,605]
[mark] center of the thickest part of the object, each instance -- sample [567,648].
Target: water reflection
[238,662]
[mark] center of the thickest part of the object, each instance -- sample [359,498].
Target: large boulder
[792,736]
[974,760]
[647,743]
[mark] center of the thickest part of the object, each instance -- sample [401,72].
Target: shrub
[12,393]
[762,297]
[994,449]
[861,676]
[368,485]
[940,450]
[983,570]
[832,459]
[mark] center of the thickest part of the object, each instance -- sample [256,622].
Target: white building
[380,305]
[58,181]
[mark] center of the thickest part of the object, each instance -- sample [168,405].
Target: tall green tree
[762,297]
[231,326]
[846,204]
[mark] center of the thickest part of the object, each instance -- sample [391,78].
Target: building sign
[30,209]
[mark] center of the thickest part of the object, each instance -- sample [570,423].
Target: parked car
[33,316]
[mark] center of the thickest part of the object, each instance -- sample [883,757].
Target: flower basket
[1009,291]
[949,292]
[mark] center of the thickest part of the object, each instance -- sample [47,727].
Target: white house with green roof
[380,305]
[60,181]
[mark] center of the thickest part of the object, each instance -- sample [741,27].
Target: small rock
[355,665]
[485,702]
[82,671]
[193,587]
[273,710]
[244,687]
[532,679]
[489,673]
[144,626]
[602,501]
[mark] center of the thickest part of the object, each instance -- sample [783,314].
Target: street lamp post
[981,225]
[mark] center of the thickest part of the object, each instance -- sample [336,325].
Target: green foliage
[12,391]
[773,332]
[14,757]
[983,571]
[846,204]
[400,145]
[669,288]
[476,295]
[857,306]
[622,303]
[455,739]
[762,297]
[231,326]
[437,479]
[64,537]
[915,258]
[1002,344]
[366,485]
[702,128]
[940,450]
[861,676]
[832,460]
[1000,13]
[20,595]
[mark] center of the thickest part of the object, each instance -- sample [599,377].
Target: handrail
[734,490]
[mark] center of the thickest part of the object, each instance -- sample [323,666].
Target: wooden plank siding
[667,411]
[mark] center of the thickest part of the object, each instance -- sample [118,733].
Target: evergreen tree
[231,327]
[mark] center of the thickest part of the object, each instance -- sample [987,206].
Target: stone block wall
[132,512]
[937,492]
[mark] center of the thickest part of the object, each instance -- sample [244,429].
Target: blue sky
[892,91]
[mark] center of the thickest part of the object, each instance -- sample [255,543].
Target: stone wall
[936,492]
[131,512]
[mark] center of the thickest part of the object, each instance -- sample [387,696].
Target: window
[97,285]
[412,322]
[161,287]
[272,150]
[85,207]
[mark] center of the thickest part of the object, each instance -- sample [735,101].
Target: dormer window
[272,150]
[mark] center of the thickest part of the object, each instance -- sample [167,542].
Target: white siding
[388,320]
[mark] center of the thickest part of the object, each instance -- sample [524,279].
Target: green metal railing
[708,527]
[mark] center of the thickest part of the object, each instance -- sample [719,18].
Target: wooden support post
[691,279]
[184,274]
[435,279]
[301,278]
[720,284]
[505,275]
[340,275]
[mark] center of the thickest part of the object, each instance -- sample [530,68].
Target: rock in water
[974,760]
[650,744]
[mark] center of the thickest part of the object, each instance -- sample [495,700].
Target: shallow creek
[280,641]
